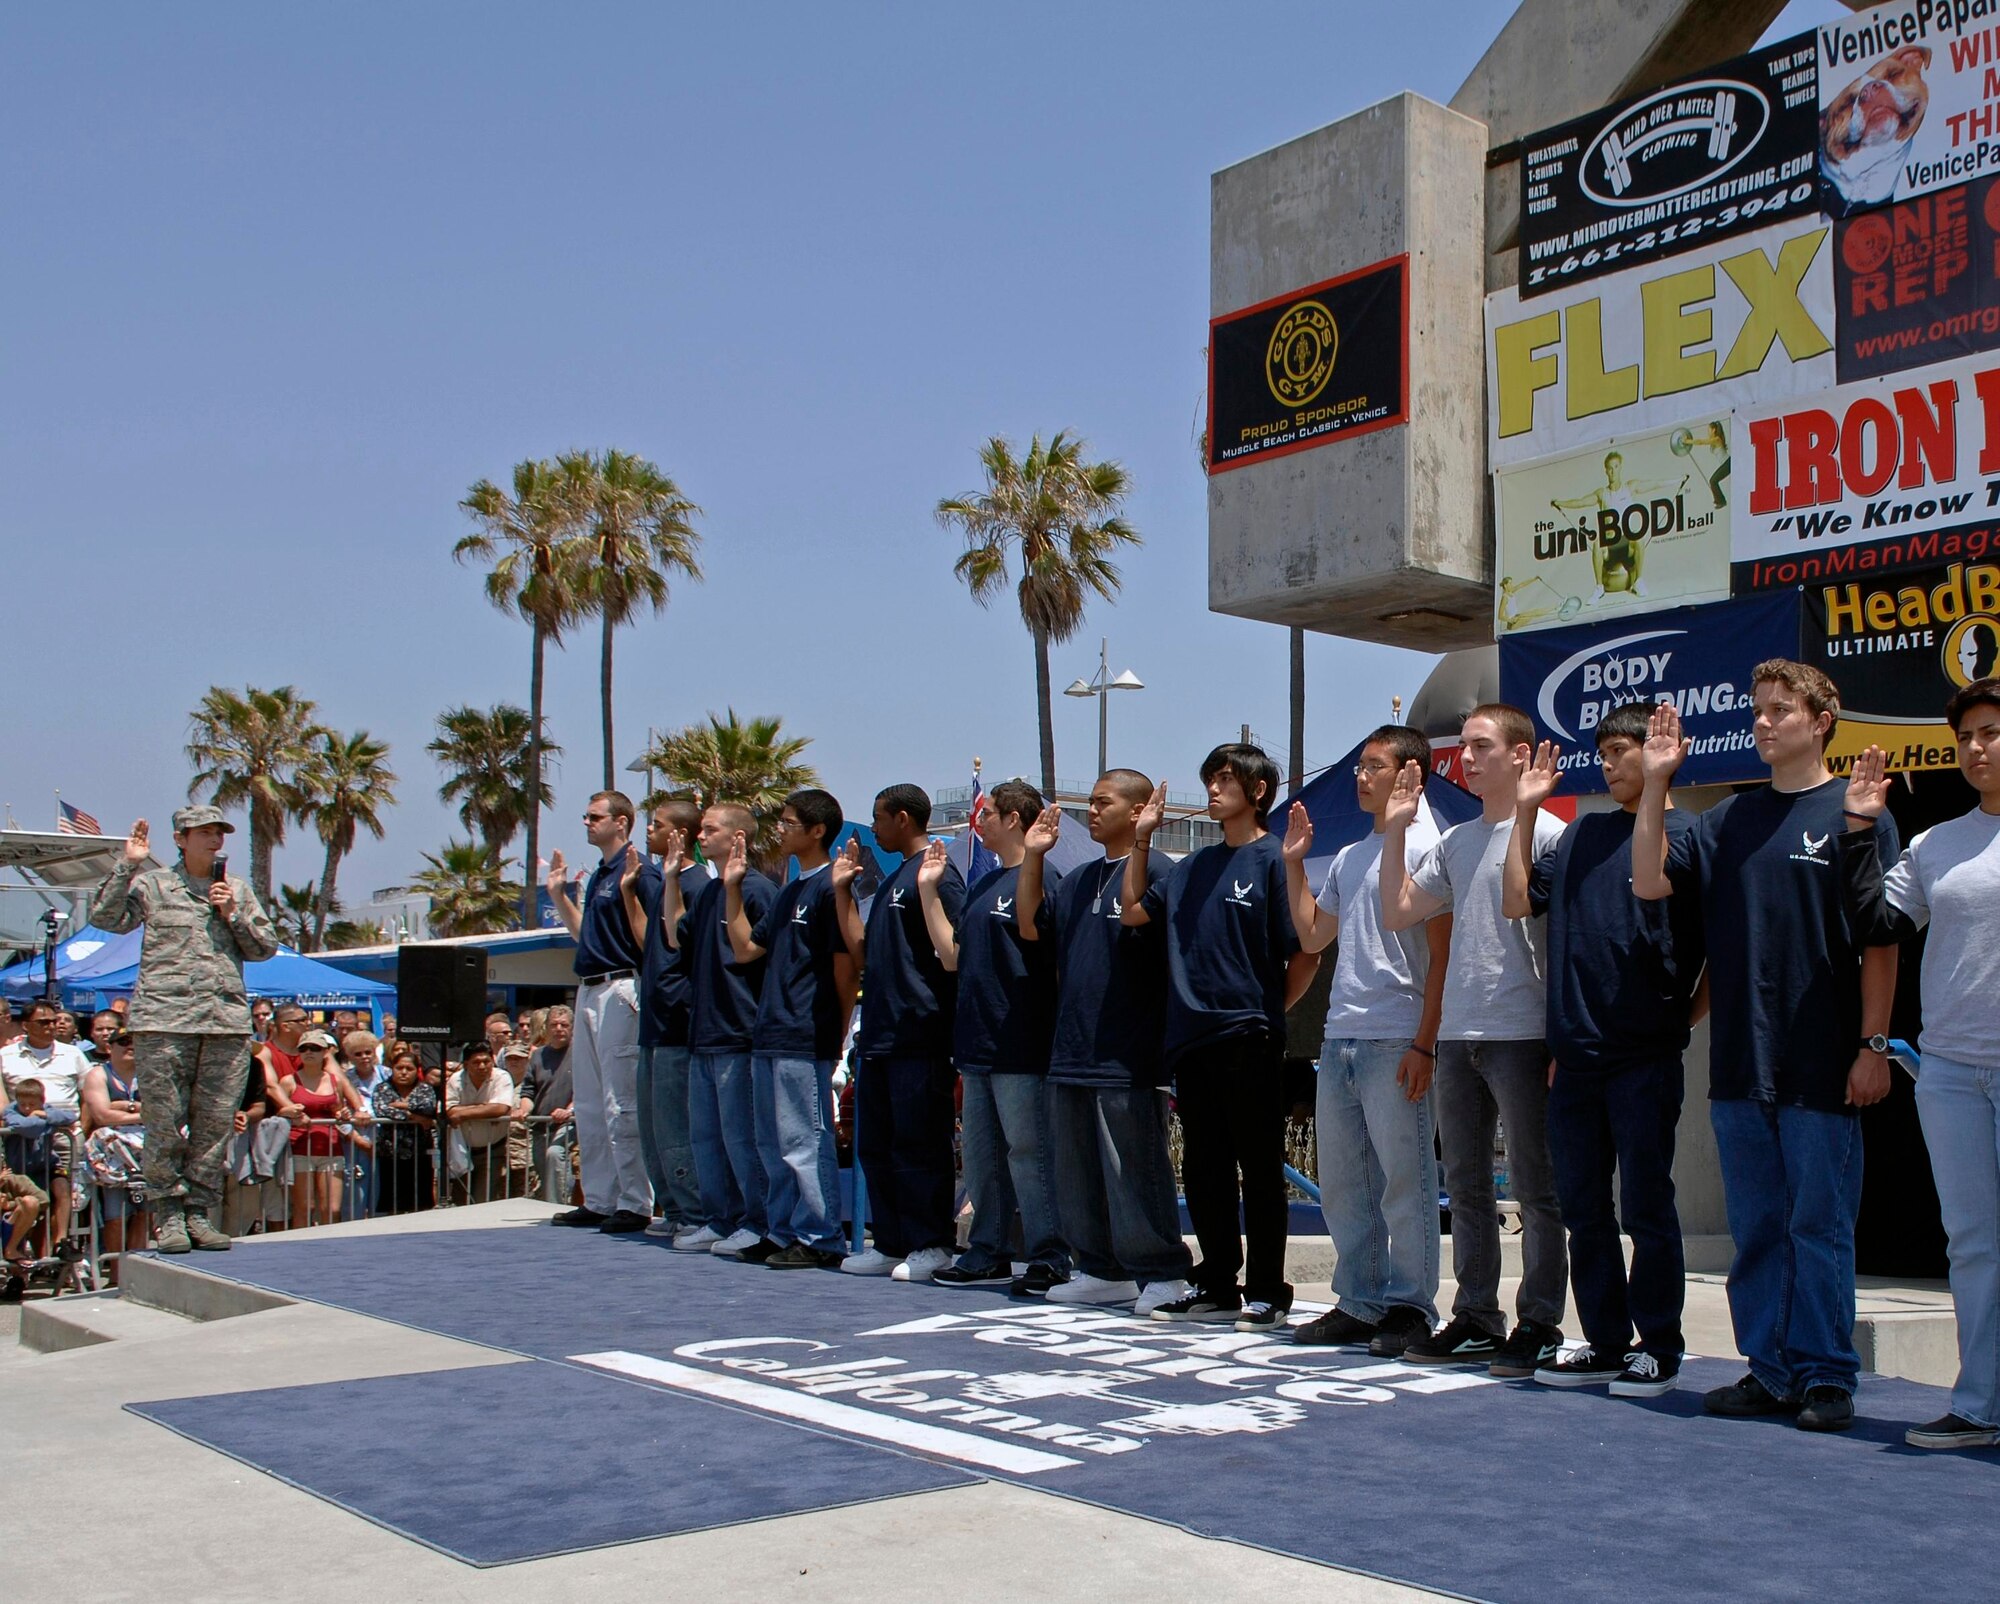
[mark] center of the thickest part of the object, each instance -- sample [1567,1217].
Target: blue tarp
[89,952]
[290,974]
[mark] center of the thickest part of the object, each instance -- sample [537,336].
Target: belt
[609,974]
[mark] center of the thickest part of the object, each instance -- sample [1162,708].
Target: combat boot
[203,1234]
[172,1235]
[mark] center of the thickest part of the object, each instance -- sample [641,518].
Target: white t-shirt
[60,1069]
[1949,878]
[1494,986]
[498,1087]
[1378,975]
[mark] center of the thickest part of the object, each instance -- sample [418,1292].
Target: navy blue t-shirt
[798,1012]
[906,993]
[1621,970]
[1784,961]
[1006,986]
[722,1003]
[1111,985]
[604,941]
[663,982]
[1229,939]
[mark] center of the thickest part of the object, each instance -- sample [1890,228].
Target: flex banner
[1745,322]
[1632,525]
[1909,101]
[1698,658]
[1866,464]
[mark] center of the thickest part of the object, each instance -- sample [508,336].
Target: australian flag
[975,861]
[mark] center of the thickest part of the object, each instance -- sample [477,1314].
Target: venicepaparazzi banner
[1716,154]
[1698,658]
[1744,322]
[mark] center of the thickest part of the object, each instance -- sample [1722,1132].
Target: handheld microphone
[219,870]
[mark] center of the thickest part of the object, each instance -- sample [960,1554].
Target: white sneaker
[873,1262]
[1158,1293]
[664,1227]
[1091,1289]
[733,1245]
[921,1265]
[698,1240]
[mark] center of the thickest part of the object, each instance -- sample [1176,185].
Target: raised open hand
[628,877]
[936,860]
[1298,834]
[737,864]
[1868,786]
[1404,796]
[1660,758]
[1153,813]
[1538,781]
[557,879]
[846,863]
[1045,831]
[138,845]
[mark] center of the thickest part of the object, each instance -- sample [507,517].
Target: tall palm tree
[1062,512]
[638,534]
[247,751]
[528,537]
[727,760]
[344,787]
[470,894]
[488,758]
[1296,778]
[292,914]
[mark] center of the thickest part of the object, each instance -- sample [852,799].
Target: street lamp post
[1100,686]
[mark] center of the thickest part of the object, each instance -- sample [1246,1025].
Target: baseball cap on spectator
[316,1038]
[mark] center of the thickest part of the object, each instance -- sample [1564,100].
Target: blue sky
[284,281]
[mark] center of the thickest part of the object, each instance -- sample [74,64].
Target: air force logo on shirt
[1002,907]
[799,912]
[1815,845]
[1240,893]
[896,896]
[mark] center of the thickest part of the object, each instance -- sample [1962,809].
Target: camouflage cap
[195,817]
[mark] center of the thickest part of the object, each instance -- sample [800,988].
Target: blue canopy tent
[1337,818]
[88,953]
[304,980]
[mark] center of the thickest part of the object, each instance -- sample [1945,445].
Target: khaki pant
[190,1086]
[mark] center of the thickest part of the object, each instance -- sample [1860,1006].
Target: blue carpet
[1491,1490]
[514,1462]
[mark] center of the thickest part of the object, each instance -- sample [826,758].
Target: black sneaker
[762,1251]
[623,1222]
[579,1217]
[13,1290]
[1747,1399]
[1199,1305]
[970,1273]
[1400,1327]
[1463,1342]
[1531,1346]
[1584,1368]
[1647,1375]
[1035,1283]
[1952,1431]
[1826,1409]
[800,1257]
[1265,1314]
[1335,1329]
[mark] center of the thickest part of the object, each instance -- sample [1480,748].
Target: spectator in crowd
[10,1025]
[405,1109]
[1948,880]
[66,1031]
[361,1059]
[479,1105]
[1374,1121]
[324,1108]
[21,1207]
[514,1059]
[345,1022]
[32,1129]
[546,1090]
[104,1024]
[257,1187]
[390,1039]
[260,1019]
[114,1147]
[59,1067]
[499,1031]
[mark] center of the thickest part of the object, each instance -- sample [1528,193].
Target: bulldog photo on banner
[1627,526]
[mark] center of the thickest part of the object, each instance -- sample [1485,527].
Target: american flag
[981,861]
[74,821]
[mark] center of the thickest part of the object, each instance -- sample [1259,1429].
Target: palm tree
[528,536]
[727,760]
[345,933]
[343,788]
[247,751]
[470,893]
[639,533]
[1063,514]
[487,754]
[293,915]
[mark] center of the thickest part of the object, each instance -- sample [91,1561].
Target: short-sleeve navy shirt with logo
[1783,959]
[604,939]
[1006,986]
[1111,982]
[722,1006]
[1229,940]
[906,992]
[664,995]
[798,1011]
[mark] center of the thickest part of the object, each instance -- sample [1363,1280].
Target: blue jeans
[795,1144]
[1792,1180]
[663,1133]
[1959,1105]
[1004,1126]
[1378,1183]
[1114,1182]
[722,1129]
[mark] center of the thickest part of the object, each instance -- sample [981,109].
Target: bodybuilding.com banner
[1698,658]
[1716,154]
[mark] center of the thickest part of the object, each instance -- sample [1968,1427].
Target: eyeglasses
[1373,768]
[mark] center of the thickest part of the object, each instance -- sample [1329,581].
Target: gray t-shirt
[1949,878]
[1494,984]
[1378,975]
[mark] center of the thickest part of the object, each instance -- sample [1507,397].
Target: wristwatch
[1876,1044]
